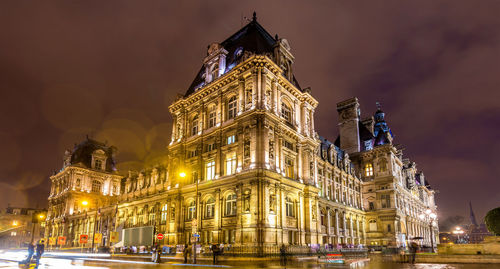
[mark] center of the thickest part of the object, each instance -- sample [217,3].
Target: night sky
[111,68]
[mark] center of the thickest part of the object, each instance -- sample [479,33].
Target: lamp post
[194,223]
[429,216]
[35,218]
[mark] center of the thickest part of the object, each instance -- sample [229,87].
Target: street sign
[159,236]
[84,239]
[52,241]
[61,240]
[114,237]
[97,238]
[196,235]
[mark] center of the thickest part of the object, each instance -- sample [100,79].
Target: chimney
[349,125]
[369,123]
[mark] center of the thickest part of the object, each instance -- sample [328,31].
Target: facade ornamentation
[245,166]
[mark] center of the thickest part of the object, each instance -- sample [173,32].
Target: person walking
[215,251]
[40,249]
[413,251]
[186,253]
[283,254]
[31,251]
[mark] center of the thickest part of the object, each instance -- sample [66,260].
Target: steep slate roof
[82,154]
[251,38]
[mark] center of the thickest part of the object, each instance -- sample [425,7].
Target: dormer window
[98,160]
[98,164]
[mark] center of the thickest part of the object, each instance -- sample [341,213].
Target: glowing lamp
[182,174]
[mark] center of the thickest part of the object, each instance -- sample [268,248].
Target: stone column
[217,216]
[274,97]
[241,95]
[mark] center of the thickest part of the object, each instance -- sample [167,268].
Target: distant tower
[472,216]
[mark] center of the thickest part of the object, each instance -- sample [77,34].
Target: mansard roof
[253,39]
[82,154]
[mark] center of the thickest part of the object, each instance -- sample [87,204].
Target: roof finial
[378,106]
[254,18]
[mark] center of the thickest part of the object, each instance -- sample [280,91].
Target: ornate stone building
[84,191]
[245,165]
[399,202]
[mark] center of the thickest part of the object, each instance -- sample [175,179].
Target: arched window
[368,170]
[191,211]
[231,107]
[231,205]
[194,125]
[210,208]
[290,207]
[78,183]
[286,112]
[96,186]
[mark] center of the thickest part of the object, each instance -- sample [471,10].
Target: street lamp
[194,223]
[458,231]
[430,217]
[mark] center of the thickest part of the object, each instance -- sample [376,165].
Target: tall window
[164,213]
[194,125]
[290,212]
[98,164]
[191,210]
[382,164]
[230,163]
[231,205]
[386,200]
[368,170]
[230,139]
[289,167]
[78,183]
[210,208]
[286,112]
[231,107]
[211,117]
[210,170]
[96,186]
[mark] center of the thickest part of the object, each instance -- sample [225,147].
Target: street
[9,259]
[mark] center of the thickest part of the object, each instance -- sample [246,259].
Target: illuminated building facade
[398,200]
[245,165]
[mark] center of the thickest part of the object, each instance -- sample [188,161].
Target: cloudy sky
[111,68]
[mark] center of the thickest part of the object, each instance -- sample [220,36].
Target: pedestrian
[413,251]
[215,251]
[158,253]
[31,251]
[186,253]
[40,249]
[283,255]
[155,251]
